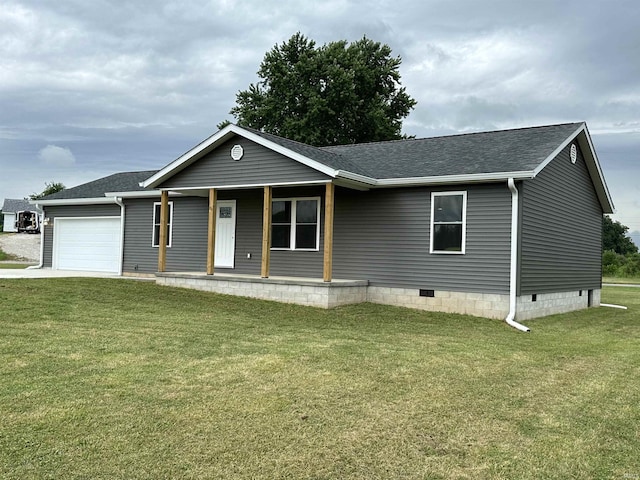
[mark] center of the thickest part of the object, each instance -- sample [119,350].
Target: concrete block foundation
[316,293]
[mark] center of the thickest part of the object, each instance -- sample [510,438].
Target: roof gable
[312,157]
[256,165]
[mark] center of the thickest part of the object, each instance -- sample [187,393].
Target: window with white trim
[448,222]
[156,224]
[295,223]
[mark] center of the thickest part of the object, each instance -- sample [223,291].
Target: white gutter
[77,201]
[514,259]
[138,194]
[118,201]
[450,179]
[34,267]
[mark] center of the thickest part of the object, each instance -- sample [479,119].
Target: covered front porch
[297,285]
[324,223]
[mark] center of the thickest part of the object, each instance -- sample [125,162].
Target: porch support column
[266,232]
[162,240]
[328,231]
[211,230]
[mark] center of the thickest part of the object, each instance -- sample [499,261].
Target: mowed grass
[117,379]
[16,266]
[628,280]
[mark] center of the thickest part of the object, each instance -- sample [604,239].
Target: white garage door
[90,244]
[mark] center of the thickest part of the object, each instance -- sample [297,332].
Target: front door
[225,233]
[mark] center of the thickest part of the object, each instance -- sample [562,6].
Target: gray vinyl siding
[383,236]
[561,233]
[52,212]
[380,235]
[188,251]
[258,166]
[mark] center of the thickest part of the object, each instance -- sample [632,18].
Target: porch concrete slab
[315,282]
[303,291]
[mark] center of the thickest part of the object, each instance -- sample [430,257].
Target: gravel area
[23,245]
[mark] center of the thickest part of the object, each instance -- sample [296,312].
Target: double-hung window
[295,223]
[448,222]
[156,224]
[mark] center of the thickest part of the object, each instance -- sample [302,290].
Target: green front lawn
[113,378]
[629,280]
[16,266]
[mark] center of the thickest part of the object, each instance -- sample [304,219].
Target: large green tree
[614,237]
[338,93]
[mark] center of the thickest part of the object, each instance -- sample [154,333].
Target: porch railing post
[328,232]
[211,231]
[266,233]
[162,237]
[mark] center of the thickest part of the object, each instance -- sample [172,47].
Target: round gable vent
[236,152]
[574,153]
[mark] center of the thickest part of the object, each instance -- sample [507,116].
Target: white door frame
[232,233]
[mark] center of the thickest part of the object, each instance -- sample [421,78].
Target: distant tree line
[620,257]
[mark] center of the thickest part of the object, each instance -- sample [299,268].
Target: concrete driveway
[49,273]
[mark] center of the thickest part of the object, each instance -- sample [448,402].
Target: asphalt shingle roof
[323,155]
[515,150]
[13,205]
[118,182]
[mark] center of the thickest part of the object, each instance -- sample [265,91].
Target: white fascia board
[453,179]
[76,201]
[561,147]
[217,137]
[596,163]
[223,135]
[356,177]
[285,151]
[178,190]
[140,194]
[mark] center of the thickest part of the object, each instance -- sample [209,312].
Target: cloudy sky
[89,88]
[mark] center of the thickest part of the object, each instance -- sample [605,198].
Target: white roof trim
[555,153]
[247,185]
[76,201]
[362,181]
[443,179]
[137,194]
[591,159]
[596,162]
[221,136]
[356,177]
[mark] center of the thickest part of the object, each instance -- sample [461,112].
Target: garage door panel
[89,244]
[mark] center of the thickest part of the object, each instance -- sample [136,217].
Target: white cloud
[56,156]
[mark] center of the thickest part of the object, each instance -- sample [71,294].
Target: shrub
[616,265]
[611,262]
[631,267]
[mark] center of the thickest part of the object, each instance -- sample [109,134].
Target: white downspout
[33,267]
[514,259]
[118,201]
